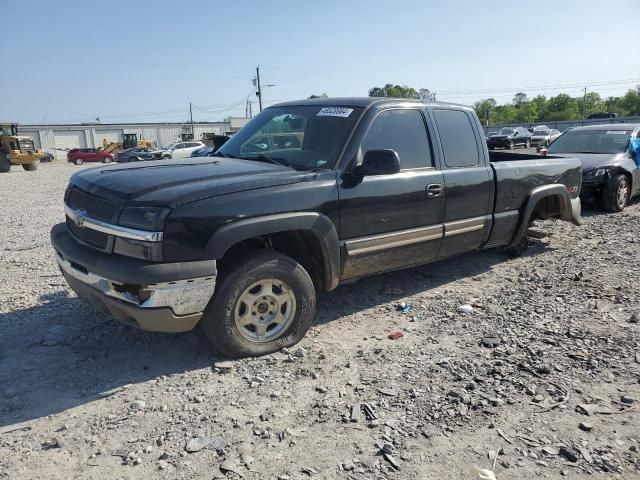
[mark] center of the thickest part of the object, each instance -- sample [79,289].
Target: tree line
[540,108]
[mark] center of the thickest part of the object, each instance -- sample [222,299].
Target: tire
[528,143]
[616,193]
[512,145]
[78,161]
[30,167]
[107,160]
[239,295]
[5,164]
[519,248]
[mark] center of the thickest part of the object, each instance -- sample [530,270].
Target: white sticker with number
[617,132]
[335,112]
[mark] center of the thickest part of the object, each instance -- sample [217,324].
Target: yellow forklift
[129,140]
[17,149]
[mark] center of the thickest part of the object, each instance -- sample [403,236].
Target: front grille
[26,146]
[93,207]
[90,237]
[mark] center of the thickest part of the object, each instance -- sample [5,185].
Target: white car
[183,149]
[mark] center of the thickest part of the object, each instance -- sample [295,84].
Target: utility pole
[584,103]
[193,135]
[259,93]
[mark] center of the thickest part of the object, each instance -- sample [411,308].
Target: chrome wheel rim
[265,310]
[623,192]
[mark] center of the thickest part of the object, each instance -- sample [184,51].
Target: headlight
[597,173]
[144,218]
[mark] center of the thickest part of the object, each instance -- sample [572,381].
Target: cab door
[393,220]
[468,181]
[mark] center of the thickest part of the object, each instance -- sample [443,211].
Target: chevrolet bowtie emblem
[79,222]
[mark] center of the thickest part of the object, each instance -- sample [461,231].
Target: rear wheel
[615,195]
[512,145]
[266,303]
[30,167]
[528,143]
[78,161]
[5,164]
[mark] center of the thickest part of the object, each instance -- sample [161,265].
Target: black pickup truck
[242,241]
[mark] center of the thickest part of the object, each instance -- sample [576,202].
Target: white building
[58,139]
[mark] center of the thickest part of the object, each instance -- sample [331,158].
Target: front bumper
[20,158]
[164,297]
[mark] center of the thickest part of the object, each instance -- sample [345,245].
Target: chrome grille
[90,237]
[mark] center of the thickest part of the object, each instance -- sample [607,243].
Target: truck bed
[502,156]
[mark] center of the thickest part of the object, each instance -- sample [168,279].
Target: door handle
[434,190]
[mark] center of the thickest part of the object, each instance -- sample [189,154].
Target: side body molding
[320,225]
[567,208]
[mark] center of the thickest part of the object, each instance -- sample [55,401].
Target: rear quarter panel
[514,182]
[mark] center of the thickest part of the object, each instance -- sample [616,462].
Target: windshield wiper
[222,154]
[274,160]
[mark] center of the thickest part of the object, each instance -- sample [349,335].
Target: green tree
[395,91]
[540,101]
[527,113]
[562,107]
[520,98]
[593,103]
[630,102]
[506,114]
[485,109]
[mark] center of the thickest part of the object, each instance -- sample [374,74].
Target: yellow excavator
[129,140]
[17,149]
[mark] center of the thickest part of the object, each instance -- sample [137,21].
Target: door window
[458,138]
[404,132]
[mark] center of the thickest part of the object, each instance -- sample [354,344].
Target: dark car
[203,152]
[510,137]
[602,115]
[47,157]
[138,154]
[242,242]
[609,170]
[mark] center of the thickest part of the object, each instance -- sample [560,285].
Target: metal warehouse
[58,139]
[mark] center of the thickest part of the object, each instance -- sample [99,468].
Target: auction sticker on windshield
[335,112]
[617,132]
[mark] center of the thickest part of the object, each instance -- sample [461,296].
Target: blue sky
[129,61]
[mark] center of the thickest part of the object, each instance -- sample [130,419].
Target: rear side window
[458,138]
[403,131]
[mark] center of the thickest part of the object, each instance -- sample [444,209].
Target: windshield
[302,137]
[541,133]
[506,131]
[591,141]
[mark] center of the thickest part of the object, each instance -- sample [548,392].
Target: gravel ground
[526,366]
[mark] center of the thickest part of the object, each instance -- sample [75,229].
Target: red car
[81,155]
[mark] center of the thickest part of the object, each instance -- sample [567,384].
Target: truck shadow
[61,353]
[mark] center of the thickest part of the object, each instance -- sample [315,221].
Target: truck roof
[361,102]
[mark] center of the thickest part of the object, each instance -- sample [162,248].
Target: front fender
[320,225]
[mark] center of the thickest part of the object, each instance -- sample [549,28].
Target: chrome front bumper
[166,307]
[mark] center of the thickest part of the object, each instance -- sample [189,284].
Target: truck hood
[175,182]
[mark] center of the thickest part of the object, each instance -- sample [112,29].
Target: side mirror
[380,162]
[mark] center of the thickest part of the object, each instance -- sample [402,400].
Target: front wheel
[78,161]
[512,145]
[266,303]
[107,160]
[615,195]
[528,143]
[30,167]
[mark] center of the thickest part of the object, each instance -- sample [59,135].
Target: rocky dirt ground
[527,366]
